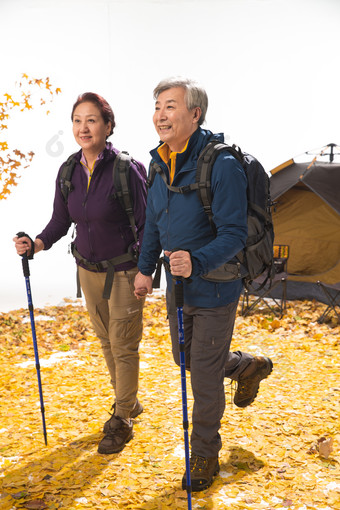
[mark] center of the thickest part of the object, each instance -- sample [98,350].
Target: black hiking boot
[136,411]
[249,380]
[120,432]
[202,471]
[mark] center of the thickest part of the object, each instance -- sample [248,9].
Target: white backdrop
[269,67]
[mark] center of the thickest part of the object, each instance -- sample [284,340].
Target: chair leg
[248,308]
[284,296]
[279,303]
[244,300]
[322,318]
[332,304]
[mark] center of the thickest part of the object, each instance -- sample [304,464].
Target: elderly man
[177,224]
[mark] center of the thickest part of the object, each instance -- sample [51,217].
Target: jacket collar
[198,140]
[106,154]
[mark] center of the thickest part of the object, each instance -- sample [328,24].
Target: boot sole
[201,487]
[116,450]
[246,404]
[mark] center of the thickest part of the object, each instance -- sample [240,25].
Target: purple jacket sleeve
[59,223]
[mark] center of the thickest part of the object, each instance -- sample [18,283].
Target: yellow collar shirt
[169,157]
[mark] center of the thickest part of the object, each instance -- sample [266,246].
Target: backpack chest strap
[155,167]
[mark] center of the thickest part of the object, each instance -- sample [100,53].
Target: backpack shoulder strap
[205,165]
[156,168]
[120,175]
[66,176]
[151,174]
[202,183]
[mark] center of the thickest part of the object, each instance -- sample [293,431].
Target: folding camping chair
[264,289]
[332,294]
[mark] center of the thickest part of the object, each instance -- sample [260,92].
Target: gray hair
[195,95]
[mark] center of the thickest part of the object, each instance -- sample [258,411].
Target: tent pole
[331,154]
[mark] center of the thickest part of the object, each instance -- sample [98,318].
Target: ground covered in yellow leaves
[270,457]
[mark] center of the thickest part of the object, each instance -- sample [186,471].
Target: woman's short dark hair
[103,106]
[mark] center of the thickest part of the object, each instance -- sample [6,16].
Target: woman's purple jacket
[103,229]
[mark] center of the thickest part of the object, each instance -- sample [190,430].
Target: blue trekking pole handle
[179,301]
[26,271]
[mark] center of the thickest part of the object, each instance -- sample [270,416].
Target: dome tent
[306,217]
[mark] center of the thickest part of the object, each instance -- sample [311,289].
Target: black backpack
[257,257]
[120,176]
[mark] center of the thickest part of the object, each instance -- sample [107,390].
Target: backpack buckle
[206,158]
[203,185]
[184,189]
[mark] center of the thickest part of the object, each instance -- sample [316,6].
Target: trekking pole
[179,301]
[26,271]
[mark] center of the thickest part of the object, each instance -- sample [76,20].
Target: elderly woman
[105,239]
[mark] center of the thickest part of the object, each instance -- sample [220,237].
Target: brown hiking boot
[202,471]
[249,380]
[136,411]
[120,432]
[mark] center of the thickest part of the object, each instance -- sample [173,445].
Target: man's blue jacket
[178,221]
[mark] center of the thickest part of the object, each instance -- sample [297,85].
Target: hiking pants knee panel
[207,336]
[118,322]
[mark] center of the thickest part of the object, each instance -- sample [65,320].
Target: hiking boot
[249,380]
[120,432]
[136,411]
[202,471]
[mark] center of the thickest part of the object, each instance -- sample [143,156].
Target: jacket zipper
[85,210]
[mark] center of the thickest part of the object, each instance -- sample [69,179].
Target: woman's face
[89,128]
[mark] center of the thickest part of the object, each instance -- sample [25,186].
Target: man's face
[173,121]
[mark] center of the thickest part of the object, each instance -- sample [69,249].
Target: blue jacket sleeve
[151,246]
[229,208]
